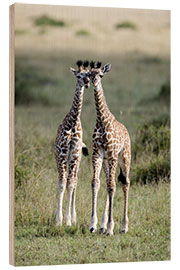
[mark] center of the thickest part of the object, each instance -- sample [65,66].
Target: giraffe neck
[102,110]
[76,108]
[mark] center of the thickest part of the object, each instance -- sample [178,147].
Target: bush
[82,32]
[153,137]
[126,25]
[44,20]
[21,176]
[162,98]
[165,92]
[28,84]
[151,151]
[157,169]
[20,32]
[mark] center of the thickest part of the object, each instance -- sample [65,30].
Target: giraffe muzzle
[87,85]
[87,82]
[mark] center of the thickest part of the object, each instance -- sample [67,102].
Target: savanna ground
[136,42]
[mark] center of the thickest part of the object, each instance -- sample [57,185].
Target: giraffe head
[96,74]
[82,74]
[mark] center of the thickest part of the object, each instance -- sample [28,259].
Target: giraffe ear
[106,68]
[73,71]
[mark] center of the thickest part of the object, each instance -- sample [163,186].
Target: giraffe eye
[79,77]
[100,76]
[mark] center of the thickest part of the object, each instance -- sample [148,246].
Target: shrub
[21,176]
[163,96]
[165,92]
[82,32]
[157,169]
[153,137]
[151,151]
[20,32]
[126,25]
[22,86]
[28,84]
[45,20]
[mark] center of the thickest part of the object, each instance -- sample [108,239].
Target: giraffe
[111,146]
[68,146]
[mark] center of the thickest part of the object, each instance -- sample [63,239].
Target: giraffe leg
[71,187]
[97,164]
[73,209]
[69,200]
[111,187]
[104,220]
[124,160]
[62,187]
[125,215]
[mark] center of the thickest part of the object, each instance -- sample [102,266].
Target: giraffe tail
[84,150]
[122,178]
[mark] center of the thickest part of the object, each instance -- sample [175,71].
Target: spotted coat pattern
[111,146]
[68,147]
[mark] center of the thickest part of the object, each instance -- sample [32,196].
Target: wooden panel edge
[11,132]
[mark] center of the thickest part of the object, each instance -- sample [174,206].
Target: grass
[126,25]
[148,237]
[138,94]
[83,32]
[151,151]
[43,97]
[45,20]
[20,32]
[165,92]
[28,79]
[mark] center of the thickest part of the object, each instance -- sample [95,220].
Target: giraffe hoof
[58,223]
[92,230]
[102,230]
[110,233]
[124,230]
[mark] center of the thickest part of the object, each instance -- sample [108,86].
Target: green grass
[165,92]
[126,25]
[43,97]
[28,79]
[45,20]
[151,151]
[83,32]
[148,237]
[20,32]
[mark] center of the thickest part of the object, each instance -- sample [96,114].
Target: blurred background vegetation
[48,41]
